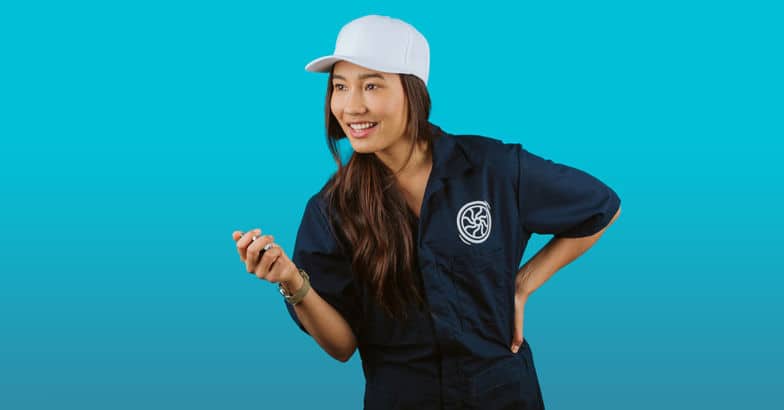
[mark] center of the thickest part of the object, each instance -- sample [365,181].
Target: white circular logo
[474,222]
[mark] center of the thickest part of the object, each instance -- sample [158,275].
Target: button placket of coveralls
[449,295]
[444,293]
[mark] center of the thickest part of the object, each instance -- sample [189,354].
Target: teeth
[362,126]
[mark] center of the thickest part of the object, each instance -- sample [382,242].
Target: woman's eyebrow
[361,76]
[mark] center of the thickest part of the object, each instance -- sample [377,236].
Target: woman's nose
[355,104]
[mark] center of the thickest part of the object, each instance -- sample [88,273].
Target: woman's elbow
[343,356]
[344,350]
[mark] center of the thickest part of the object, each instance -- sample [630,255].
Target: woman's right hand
[318,317]
[274,266]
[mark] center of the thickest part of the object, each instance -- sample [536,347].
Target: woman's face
[369,105]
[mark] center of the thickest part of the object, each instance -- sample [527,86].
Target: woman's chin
[361,147]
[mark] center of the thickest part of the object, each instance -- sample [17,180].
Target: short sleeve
[317,252]
[561,200]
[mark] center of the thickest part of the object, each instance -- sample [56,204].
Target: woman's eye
[342,87]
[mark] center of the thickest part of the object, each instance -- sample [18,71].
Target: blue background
[135,136]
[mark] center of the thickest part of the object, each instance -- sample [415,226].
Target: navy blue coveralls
[483,200]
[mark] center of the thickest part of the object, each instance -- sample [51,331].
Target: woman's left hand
[517,338]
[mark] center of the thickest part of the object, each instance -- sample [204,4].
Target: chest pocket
[482,284]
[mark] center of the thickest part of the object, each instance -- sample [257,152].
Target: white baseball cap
[379,43]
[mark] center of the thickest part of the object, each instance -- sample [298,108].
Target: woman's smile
[362,129]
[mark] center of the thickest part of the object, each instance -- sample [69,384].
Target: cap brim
[324,64]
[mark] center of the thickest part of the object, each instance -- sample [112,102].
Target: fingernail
[515,348]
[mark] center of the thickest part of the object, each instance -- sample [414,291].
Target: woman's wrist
[297,295]
[294,284]
[523,282]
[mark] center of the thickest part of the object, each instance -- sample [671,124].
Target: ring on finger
[266,248]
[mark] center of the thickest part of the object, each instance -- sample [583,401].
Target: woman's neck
[394,158]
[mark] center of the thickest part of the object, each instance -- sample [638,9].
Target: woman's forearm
[556,254]
[324,324]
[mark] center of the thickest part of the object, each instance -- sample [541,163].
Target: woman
[409,252]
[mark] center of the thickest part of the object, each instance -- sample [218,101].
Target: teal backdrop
[135,136]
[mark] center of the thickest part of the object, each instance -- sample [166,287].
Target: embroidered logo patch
[474,222]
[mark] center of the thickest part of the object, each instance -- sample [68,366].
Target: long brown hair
[375,220]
